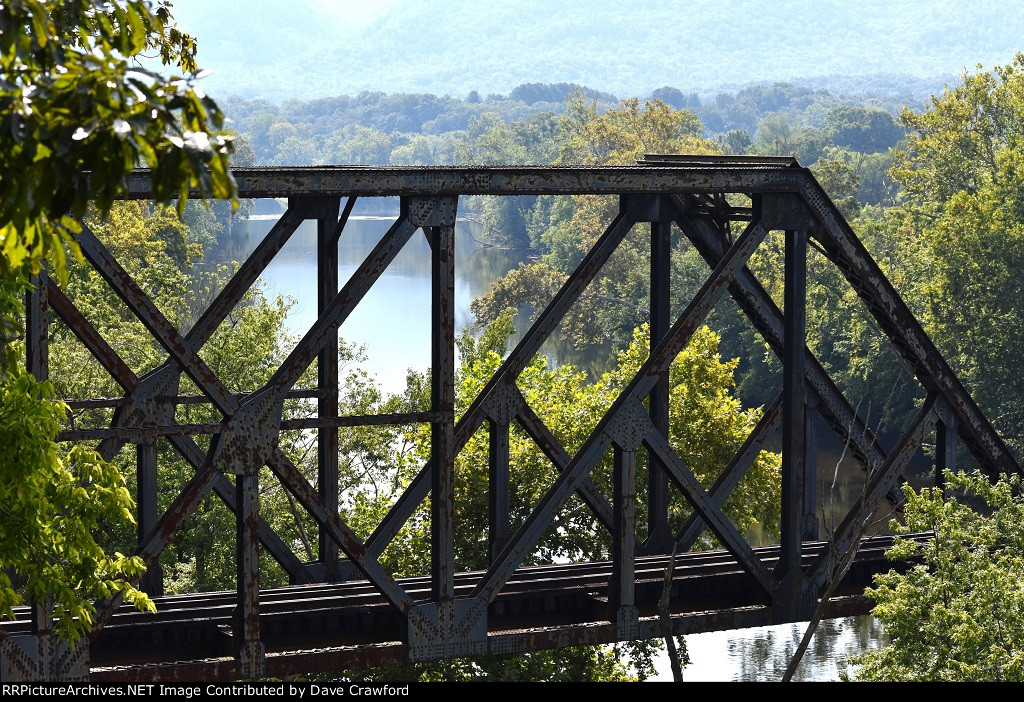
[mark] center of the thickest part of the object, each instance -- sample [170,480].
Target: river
[392,323]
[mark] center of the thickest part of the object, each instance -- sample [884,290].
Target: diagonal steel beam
[287,374]
[155,322]
[733,473]
[879,482]
[346,539]
[189,449]
[534,426]
[243,278]
[81,327]
[184,505]
[361,280]
[593,448]
[275,546]
[528,346]
[709,511]
[910,340]
[767,318]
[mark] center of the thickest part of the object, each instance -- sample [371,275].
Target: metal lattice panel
[502,609]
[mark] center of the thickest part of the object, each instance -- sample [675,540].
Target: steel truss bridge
[346,609]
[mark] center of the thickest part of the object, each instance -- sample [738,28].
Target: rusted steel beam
[621,588]
[184,505]
[214,315]
[328,233]
[809,522]
[554,451]
[37,364]
[497,488]
[113,402]
[37,313]
[212,386]
[698,603]
[659,536]
[335,313]
[640,386]
[879,482]
[945,446]
[442,401]
[766,317]
[82,328]
[297,484]
[125,377]
[509,370]
[794,405]
[129,433]
[243,278]
[275,546]
[154,320]
[350,202]
[251,652]
[733,472]
[152,582]
[710,513]
[700,177]
[910,340]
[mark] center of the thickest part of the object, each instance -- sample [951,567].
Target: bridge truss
[346,608]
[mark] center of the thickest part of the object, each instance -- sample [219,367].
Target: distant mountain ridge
[313,48]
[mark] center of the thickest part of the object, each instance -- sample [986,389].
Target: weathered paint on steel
[446,613]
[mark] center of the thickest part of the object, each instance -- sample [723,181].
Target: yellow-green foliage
[959,614]
[52,503]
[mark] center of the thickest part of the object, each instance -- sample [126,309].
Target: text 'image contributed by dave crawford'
[268,690]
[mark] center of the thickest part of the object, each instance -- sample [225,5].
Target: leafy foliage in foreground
[51,507]
[76,116]
[959,615]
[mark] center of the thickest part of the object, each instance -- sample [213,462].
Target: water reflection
[393,319]
[761,654]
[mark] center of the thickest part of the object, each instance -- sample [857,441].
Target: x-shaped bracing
[457,626]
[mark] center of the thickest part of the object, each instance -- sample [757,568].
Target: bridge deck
[317,628]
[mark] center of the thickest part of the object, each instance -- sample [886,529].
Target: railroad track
[314,628]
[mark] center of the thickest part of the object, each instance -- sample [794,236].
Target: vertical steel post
[37,310]
[327,384]
[659,536]
[498,488]
[442,393]
[621,593]
[251,652]
[789,595]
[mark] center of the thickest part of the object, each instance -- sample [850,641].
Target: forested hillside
[319,48]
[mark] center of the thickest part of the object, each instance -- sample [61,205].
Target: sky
[315,48]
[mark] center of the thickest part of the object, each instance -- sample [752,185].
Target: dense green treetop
[959,614]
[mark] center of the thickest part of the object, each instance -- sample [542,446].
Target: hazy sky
[310,48]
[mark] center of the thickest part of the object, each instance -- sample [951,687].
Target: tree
[565,228]
[864,129]
[958,615]
[841,183]
[959,227]
[73,101]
